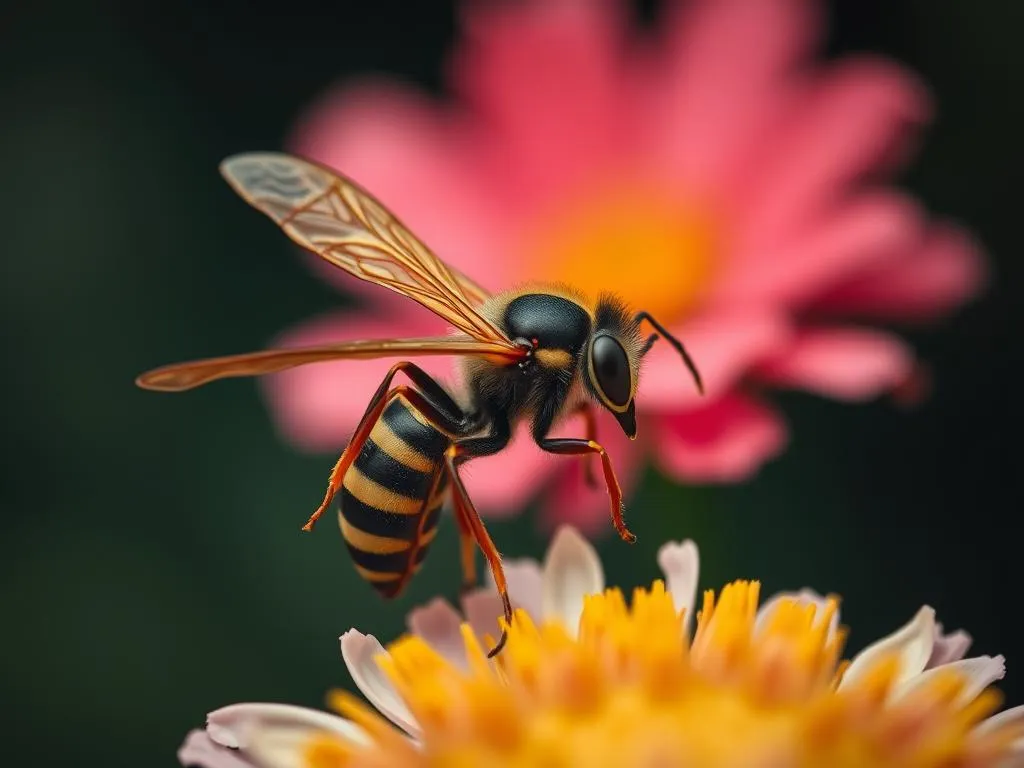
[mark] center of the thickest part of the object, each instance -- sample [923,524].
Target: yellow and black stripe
[392,495]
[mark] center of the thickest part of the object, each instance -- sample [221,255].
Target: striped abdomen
[392,495]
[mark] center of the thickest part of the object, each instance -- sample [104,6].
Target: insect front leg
[587,410]
[578,447]
[450,416]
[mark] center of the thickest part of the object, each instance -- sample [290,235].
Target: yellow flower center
[633,691]
[644,246]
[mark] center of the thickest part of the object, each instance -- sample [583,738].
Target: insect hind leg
[469,519]
[467,546]
[465,510]
[435,403]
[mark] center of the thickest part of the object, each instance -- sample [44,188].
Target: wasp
[536,354]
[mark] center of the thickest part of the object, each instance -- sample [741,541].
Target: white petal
[359,652]
[281,746]
[805,596]
[572,570]
[200,751]
[980,671]
[912,642]
[680,562]
[1009,718]
[234,725]
[438,623]
[1012,718]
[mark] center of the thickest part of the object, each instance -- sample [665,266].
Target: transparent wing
[336,219]
[182,376]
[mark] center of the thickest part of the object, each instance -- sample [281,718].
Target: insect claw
[624,533]
[308,526]
[501,644]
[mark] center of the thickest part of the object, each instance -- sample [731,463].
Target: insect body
[391,497]
[536,354]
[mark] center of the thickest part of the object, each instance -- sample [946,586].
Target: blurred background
[151,564]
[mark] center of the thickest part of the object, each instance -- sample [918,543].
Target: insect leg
[587,409]
[578,447]
[467,546]
[677,345]
[467,511]
[457,454]
[449,414]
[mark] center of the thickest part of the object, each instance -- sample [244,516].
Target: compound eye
[611,369]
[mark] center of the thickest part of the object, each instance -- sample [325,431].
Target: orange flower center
[644,245]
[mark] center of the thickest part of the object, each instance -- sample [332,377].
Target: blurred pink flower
[707,171]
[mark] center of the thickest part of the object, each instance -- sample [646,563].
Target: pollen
[633,689]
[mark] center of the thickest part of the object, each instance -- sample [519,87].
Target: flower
[585,680]
[710,172]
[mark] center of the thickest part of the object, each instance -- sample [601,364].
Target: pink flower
[708,172]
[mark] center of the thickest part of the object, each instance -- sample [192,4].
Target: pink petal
[525,587]
[875,228]
[316,407]
[501,484]
[418,159]
[844,363]
[724,344]
[571,501]
[483,607]
[947,270]
[544,77]
[438,623]
[727,441]
[854,120]
[200,751]
[948,648]
[525,584]
[725,68]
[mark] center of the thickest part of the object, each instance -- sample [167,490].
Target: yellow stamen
[325,752]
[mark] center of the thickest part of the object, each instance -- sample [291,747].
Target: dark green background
[151,566]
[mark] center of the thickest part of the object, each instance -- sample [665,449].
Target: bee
[537,354]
